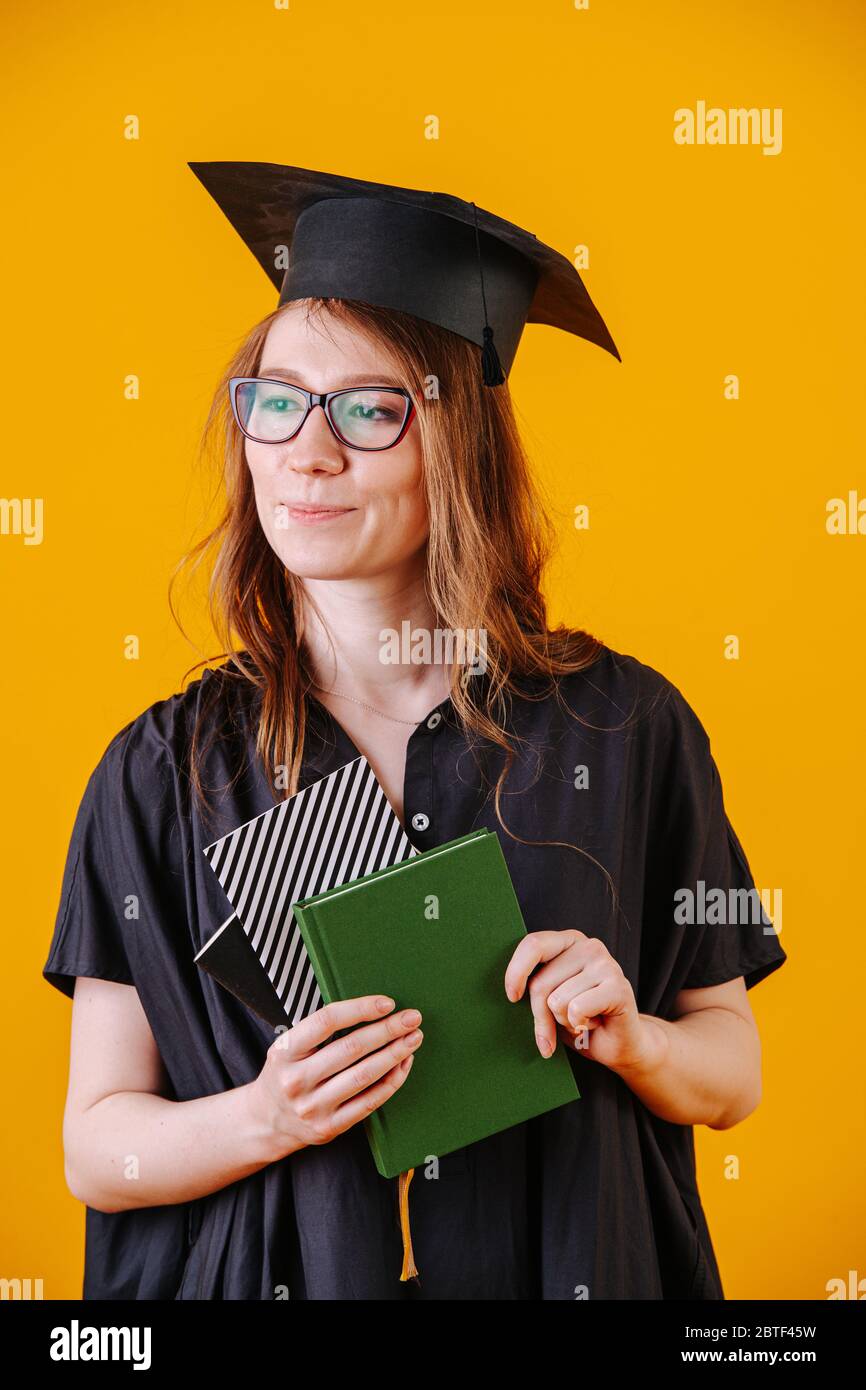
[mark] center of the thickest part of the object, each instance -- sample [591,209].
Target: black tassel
[491,367]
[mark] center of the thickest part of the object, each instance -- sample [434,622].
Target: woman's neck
[352,634]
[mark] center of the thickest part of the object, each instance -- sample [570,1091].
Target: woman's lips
[313,516]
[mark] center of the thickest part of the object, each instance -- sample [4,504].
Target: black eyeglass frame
[313,398]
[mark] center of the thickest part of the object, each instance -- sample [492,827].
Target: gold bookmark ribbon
[408,1271]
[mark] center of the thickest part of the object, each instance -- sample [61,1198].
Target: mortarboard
[429,254]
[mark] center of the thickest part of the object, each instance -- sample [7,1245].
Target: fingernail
[544,1045]
[410,1018]
[414,1038]
[384,1004]
[406,1063]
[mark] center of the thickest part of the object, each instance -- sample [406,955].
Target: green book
[436,933]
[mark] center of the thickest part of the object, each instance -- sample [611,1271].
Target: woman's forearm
[703,1068]
[134,1149]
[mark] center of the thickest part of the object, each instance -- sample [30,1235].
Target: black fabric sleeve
[89,927]
[707,903]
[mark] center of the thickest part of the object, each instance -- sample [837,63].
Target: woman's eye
[373,412]
[278,404]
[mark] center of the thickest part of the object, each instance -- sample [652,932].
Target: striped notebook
[332,832]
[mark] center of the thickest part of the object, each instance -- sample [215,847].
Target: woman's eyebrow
[362,379]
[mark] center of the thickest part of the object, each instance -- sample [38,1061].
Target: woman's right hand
[310,1090]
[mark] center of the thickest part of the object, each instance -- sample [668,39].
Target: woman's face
[375,517]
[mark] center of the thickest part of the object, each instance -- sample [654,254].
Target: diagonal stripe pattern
[332,832]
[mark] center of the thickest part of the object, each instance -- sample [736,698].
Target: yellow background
[707,516]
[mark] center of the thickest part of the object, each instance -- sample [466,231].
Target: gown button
[434,720]
[420,821]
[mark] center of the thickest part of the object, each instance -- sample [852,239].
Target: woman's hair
[490,538]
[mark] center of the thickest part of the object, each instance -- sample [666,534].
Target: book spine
[325,976]
[329,987]
[377,1138]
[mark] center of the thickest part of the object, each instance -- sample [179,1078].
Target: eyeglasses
[365,417]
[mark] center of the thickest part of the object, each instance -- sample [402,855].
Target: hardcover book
[436,933]
[231,960]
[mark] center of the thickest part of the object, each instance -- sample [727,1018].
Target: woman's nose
[315,446]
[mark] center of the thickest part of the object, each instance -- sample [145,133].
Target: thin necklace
[363,703]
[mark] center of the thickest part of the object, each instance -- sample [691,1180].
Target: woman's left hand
[580,994]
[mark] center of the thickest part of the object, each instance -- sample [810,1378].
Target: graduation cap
[429,254]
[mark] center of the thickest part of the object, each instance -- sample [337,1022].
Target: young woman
[216,1163]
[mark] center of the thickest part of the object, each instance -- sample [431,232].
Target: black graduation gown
[596,1199]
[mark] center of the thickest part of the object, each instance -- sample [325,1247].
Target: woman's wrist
[651,1057]
[266,1143]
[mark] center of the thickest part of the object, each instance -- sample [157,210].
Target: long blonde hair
[490,538]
